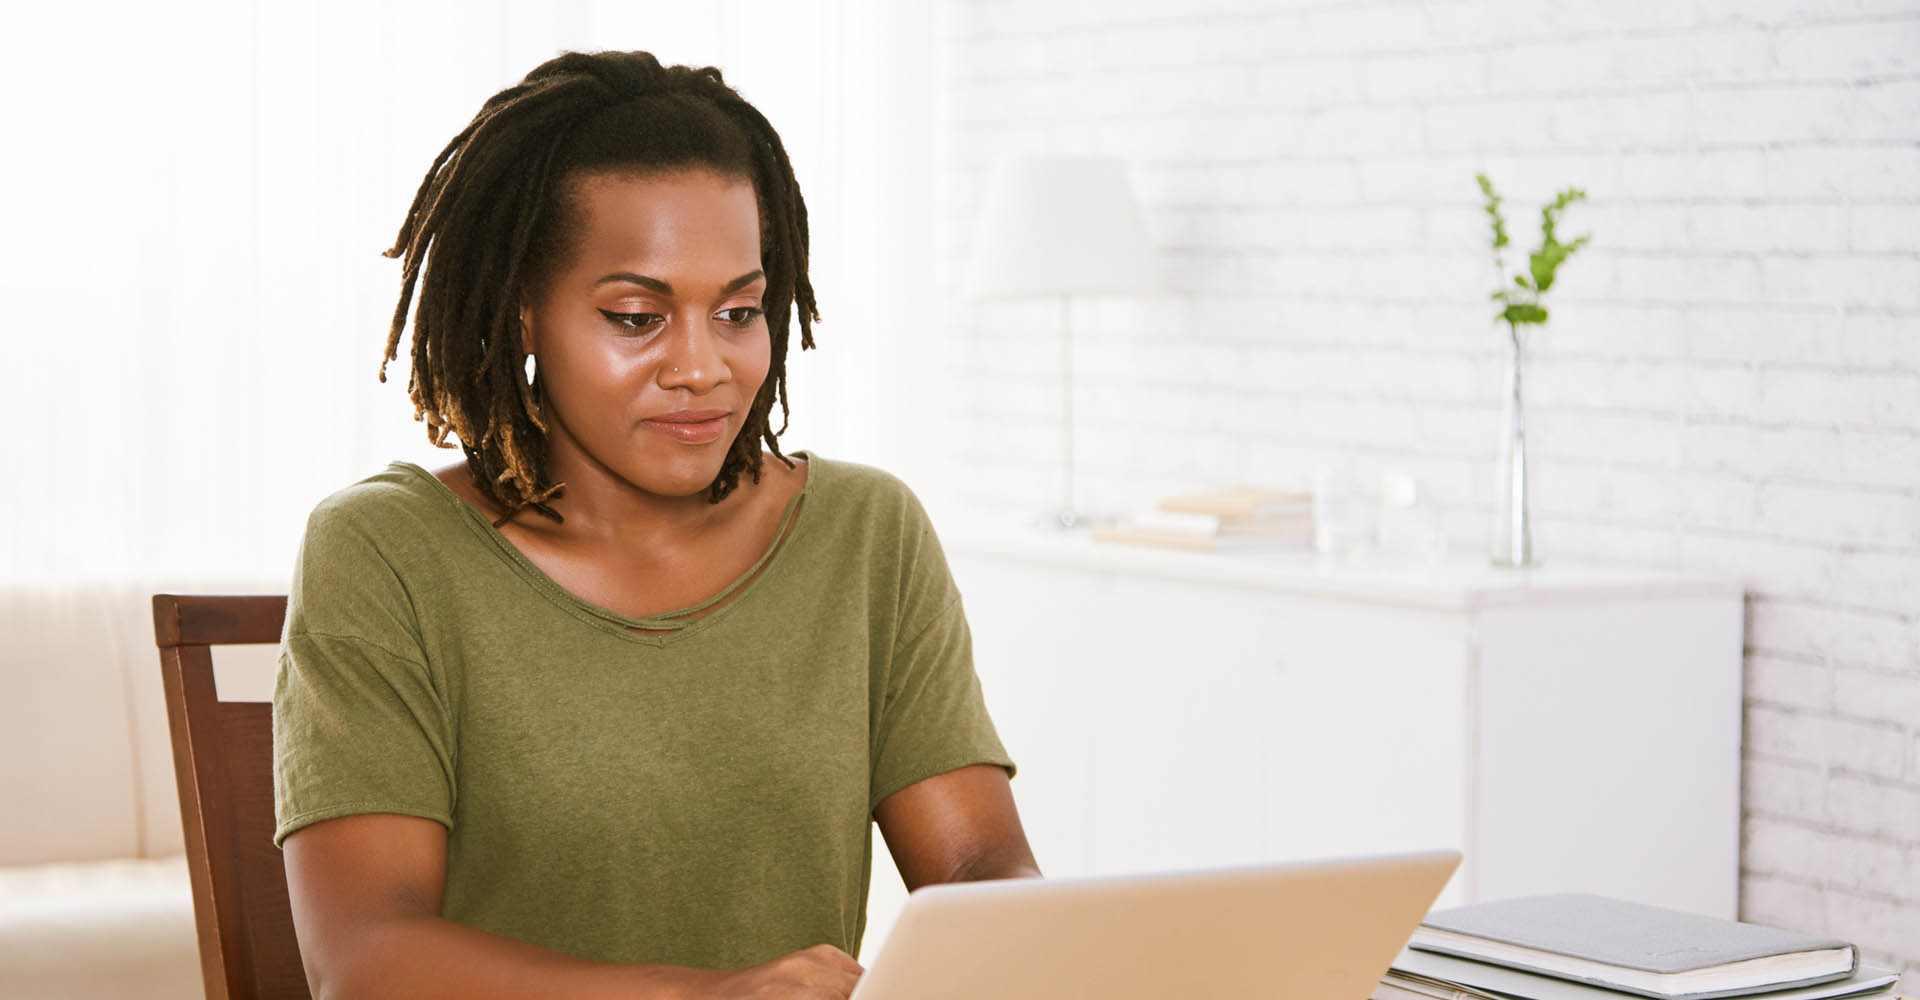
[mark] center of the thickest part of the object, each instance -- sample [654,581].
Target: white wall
[190,243]
[1731,380]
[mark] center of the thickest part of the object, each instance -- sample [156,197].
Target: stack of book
[1244,516]
[1581,947]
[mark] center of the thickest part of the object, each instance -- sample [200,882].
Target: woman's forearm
[434,957]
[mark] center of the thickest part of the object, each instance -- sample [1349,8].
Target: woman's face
[649,336]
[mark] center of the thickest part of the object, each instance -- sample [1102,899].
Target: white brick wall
[1731,381]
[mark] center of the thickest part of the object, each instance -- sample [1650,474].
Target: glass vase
[1512,533]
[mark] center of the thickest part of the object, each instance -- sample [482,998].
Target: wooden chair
[223,761]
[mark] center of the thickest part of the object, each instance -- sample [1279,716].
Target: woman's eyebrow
[665,289]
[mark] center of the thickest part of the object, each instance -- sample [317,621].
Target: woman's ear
[526,330]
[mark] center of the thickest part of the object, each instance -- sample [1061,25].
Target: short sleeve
[361,722]
[934,717]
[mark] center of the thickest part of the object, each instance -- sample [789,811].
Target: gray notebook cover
[1498,981]
[1628,935]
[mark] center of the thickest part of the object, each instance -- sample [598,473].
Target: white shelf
[1458,583]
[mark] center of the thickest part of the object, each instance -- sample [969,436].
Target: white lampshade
[1059,225]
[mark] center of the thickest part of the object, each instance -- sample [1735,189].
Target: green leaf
[1544,264]
[1550,215]
[1522,312]
[1492,209]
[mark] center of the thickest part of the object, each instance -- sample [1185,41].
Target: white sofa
[94,899]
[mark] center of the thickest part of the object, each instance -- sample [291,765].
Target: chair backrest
[223,762]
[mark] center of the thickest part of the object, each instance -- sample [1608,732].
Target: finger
[846,983]
[838,958]
[840,974]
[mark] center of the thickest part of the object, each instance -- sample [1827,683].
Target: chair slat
[223,764]
[217,619]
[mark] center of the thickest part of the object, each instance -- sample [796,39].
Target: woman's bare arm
[960,826]
[366,893]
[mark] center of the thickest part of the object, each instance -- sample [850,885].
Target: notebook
[1442,977]
[1633,947]
[1313,930]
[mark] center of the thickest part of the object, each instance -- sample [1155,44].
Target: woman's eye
[633,321]
[742,315]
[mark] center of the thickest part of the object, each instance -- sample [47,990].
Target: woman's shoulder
[846,482]
[869,512]
[401,499]
[872,525]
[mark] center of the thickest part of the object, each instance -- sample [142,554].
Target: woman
[606,709]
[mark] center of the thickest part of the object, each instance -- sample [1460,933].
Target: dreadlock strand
[409,241]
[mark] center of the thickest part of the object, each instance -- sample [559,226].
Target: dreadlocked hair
[492,219]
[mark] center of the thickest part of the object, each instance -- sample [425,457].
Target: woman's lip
[689,431]
[689,416]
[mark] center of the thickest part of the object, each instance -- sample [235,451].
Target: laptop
[1313,930]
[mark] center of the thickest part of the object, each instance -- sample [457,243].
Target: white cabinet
[1567,728]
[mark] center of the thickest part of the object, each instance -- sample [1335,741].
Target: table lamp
[1057,227]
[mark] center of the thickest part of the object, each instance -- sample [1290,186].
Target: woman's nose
[694,359]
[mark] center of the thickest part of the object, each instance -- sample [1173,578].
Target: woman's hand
[821,972]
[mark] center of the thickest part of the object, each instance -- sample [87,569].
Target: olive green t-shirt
[700,797]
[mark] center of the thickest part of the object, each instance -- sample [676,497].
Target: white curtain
[196,196]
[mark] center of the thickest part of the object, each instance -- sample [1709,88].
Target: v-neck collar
[658,629]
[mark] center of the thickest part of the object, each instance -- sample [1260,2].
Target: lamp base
[1069,519]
